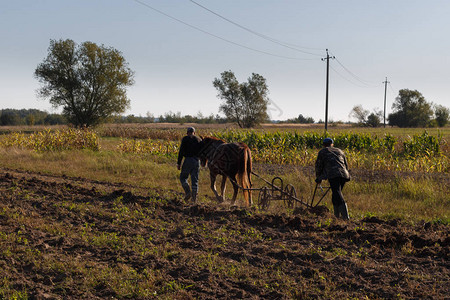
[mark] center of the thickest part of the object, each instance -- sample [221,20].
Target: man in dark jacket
[190,146]
[331,164]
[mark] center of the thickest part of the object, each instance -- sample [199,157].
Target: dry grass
[405,197]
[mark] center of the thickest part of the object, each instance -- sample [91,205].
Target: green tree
[364,117]
[304,120]
[359,113]
[88,81]
[11,117]
[55,119]
[410,110]
[442,114]
[31,119]
[373,120]
[245,103]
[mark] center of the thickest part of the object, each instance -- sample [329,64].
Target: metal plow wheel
[289,196]
[264,198]
[275,190]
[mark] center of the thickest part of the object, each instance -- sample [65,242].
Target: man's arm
[181,153]
[319,167]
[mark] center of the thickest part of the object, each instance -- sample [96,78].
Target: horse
[228,160]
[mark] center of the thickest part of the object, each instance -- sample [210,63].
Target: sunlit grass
[406,198]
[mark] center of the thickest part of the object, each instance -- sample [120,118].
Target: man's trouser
[339,205]
[191,166]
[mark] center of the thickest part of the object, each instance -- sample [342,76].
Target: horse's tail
[244,174]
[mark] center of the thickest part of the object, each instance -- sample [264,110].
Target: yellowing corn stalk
[57,140]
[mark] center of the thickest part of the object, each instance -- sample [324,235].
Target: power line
[355,76]
[345,78]
[392,89]
[287,45]
[216,36]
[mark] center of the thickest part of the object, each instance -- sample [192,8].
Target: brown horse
[228,160]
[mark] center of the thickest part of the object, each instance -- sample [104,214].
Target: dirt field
[70,238]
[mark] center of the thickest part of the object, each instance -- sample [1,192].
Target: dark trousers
[337,184]
[191,166]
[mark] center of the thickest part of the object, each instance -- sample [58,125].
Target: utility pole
[326,93]
[384,114]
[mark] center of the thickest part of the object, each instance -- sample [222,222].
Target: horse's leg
[223,187]
[250,201]
[213,176]
[235,191]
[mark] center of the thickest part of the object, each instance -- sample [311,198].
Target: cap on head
[191,130]
[327,141]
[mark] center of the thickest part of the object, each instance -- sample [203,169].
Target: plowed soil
[72,238]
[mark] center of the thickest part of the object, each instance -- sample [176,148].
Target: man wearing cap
[331,164]
[190,146]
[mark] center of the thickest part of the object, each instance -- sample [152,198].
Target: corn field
[57,140]
[419,153]
[422,152]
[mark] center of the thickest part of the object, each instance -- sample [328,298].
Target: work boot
[194,198]
[336,210]
[344,211]
[187,193]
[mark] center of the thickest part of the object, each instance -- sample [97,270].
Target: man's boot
[336,210]
[194,198]
[344,211]
[187,192]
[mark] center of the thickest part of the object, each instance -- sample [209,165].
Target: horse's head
[208,146]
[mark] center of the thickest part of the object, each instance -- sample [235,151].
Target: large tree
[87,80]
[410,110]
[244,103]
[359,113]
[442,115]
[364,117]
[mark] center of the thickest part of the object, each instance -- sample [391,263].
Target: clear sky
[178,47]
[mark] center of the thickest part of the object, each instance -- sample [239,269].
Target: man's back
[331,163]
[190,146]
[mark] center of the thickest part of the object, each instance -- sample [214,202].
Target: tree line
[410,109]
[30,117]
[171,117]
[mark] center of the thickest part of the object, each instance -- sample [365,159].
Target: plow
[276,190]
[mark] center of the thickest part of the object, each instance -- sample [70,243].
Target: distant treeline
[32,117]
[171,117]
[11,117]
[29,117]
[300,120]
